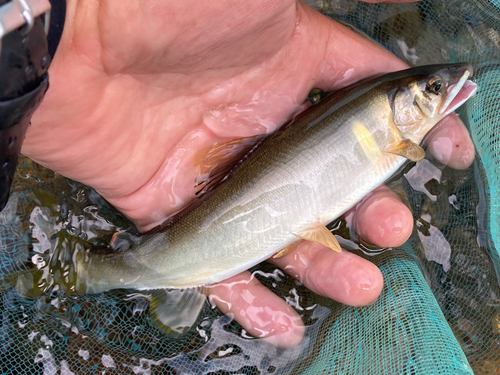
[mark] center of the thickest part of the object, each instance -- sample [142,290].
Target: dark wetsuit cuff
[57,17]
[24,61]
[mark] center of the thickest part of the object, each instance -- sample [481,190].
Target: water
[53,329]
[52,219]
[456,260]
[56,218]
[449,243]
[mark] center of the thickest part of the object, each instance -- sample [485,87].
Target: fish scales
[312,172]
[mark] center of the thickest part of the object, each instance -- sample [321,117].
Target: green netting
[485,130]
[438,312]
[394,335]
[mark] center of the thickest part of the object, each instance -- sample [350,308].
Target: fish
[299,179]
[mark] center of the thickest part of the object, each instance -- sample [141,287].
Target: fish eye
[435,85]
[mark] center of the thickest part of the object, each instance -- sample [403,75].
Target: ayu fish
[300,179]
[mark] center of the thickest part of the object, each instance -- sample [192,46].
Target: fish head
[425,97]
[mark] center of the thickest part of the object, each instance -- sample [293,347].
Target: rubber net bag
[438,312]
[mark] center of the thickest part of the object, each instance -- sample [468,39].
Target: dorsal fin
[213,165]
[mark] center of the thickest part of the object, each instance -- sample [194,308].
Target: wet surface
[52,328]
[440,300]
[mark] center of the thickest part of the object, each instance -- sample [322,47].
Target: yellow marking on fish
[366,141]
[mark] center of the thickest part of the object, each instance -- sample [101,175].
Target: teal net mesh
[438,312]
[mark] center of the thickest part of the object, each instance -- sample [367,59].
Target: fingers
[382,219]
[259,311]
[344,277]
[451,143]
[349,57]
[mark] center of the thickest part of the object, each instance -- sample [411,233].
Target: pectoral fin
[175,311]
[407,149]
[321,234]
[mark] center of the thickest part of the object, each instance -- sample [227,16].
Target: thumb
[350,57]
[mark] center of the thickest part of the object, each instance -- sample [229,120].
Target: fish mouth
[458,94]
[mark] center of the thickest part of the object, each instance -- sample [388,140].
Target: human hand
[137,88]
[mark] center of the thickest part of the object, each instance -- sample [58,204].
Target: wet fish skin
[326,161]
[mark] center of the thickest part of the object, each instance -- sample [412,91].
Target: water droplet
[45,61]
[29,70]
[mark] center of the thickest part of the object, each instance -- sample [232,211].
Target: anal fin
[175,311]
[407,149]
[321,234]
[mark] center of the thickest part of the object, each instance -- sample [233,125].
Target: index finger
[451,143]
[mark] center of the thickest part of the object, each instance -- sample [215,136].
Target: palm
[148,92]
[138,87]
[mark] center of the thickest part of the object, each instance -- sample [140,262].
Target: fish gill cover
[439,310]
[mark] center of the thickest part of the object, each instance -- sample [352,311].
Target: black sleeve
[24,60]
[57,16]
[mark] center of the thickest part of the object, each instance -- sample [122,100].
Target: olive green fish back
[438,312]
